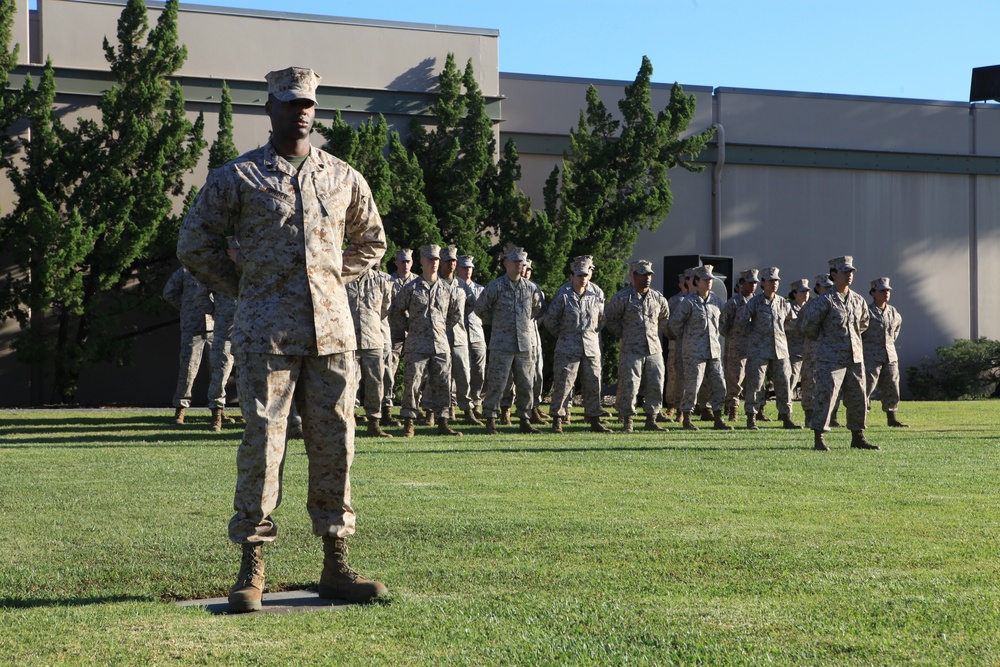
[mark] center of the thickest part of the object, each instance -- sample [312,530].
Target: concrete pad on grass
[284,602]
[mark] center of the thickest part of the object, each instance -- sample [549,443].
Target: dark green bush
[969,369]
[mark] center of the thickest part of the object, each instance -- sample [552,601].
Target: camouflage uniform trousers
[322,388]
[758,370]
[807,383]
[565,368]
[370,366]
[736,367]
[477,370]
[640,373]
[884,377]
[461,378]
[697,374]
[846,381]
[795,375]
[675,374]
[426,383]
[516,366]
[221,361]
[192,350]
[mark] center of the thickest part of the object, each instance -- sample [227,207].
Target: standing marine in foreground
[291,207]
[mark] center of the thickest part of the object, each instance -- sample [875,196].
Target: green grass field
[651,549]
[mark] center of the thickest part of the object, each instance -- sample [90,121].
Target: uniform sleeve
[812,316]
[865,318]
[552,318]
[679,317]
[202,237]
[398,315]
[484,304]
[365,233]
[456,306]
[386,288]
[613,316]
[663,321]
[172,290]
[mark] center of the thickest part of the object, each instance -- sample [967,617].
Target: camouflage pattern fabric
[638,320]
[796,346]
[732,326]
[767,351]
[881,361]
[221,357]
[675,365]
[696,323]
[576,321]
[195,304]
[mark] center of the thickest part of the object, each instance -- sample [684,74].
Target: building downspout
[973,235]
[720,162]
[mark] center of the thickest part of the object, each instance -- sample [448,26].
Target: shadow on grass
[597,448]
[25,603]
[199,437]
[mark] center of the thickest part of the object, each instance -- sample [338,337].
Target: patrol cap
[800,285]
[845,263]
[466,260]
[642,267]
[431,251]
[514,253]
[582,265]
[293,83]
[682,276]
[750,276]
[823,280]
[704,272]
[770,273]
[404,255]
[880,284]
[449,252]
[689,273]
[527,263]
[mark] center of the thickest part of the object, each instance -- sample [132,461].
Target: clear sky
[922,49]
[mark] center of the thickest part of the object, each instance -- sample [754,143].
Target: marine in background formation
[879,342]
[195,304]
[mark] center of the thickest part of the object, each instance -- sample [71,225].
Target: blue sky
[923,49]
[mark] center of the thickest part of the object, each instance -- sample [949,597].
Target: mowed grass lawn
[679,548]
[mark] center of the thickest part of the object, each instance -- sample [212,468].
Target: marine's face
[514,268]
[429,267]
[580,281]
[881,296]
[771,286]
[291,121]
[465,273]
[842,279]
[642,281]
[403,266]
[448,266]
[747,288]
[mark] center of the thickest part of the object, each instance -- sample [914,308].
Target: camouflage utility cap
[770,273]
[750,276]
[514,253]
[404,255]
[293,83]
[466,261]
[823,280]
[801,285]
[704,272]
[449,252]
[582,265]
[642,267]
[880,284]
[845,263]
[431,251]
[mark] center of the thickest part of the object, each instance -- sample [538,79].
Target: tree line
[91,235]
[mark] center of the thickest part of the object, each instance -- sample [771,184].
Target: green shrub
[969,369]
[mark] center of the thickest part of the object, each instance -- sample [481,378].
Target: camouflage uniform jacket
[836,324]
[638,320]
[291,226]
[879,339]
[510,307]
[473,324]
[674,303]
[225,311]
[457,335]
[793,332]
[697,322]
[426,311]
[370,297]
[193,301]
[576,320]
[765,323]
[732,326]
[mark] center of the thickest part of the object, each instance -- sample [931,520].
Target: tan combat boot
[731,416]
[651,424]
[470,419]
[597,427]
[179,416]
[477,413]
[444,429]
[407,427]
[491,426]
[248,590]
[217,418]
[505,417]
[557,424]
[858,441]
[893,421]
[686,422]
[526,426]
[375,428]
[428,419]
[786,422]
[761,417]
[388,419]
[627,426]
[720,424]
[819,443]
[339,582]
[752,422]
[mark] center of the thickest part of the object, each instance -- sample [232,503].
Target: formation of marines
[824,343]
